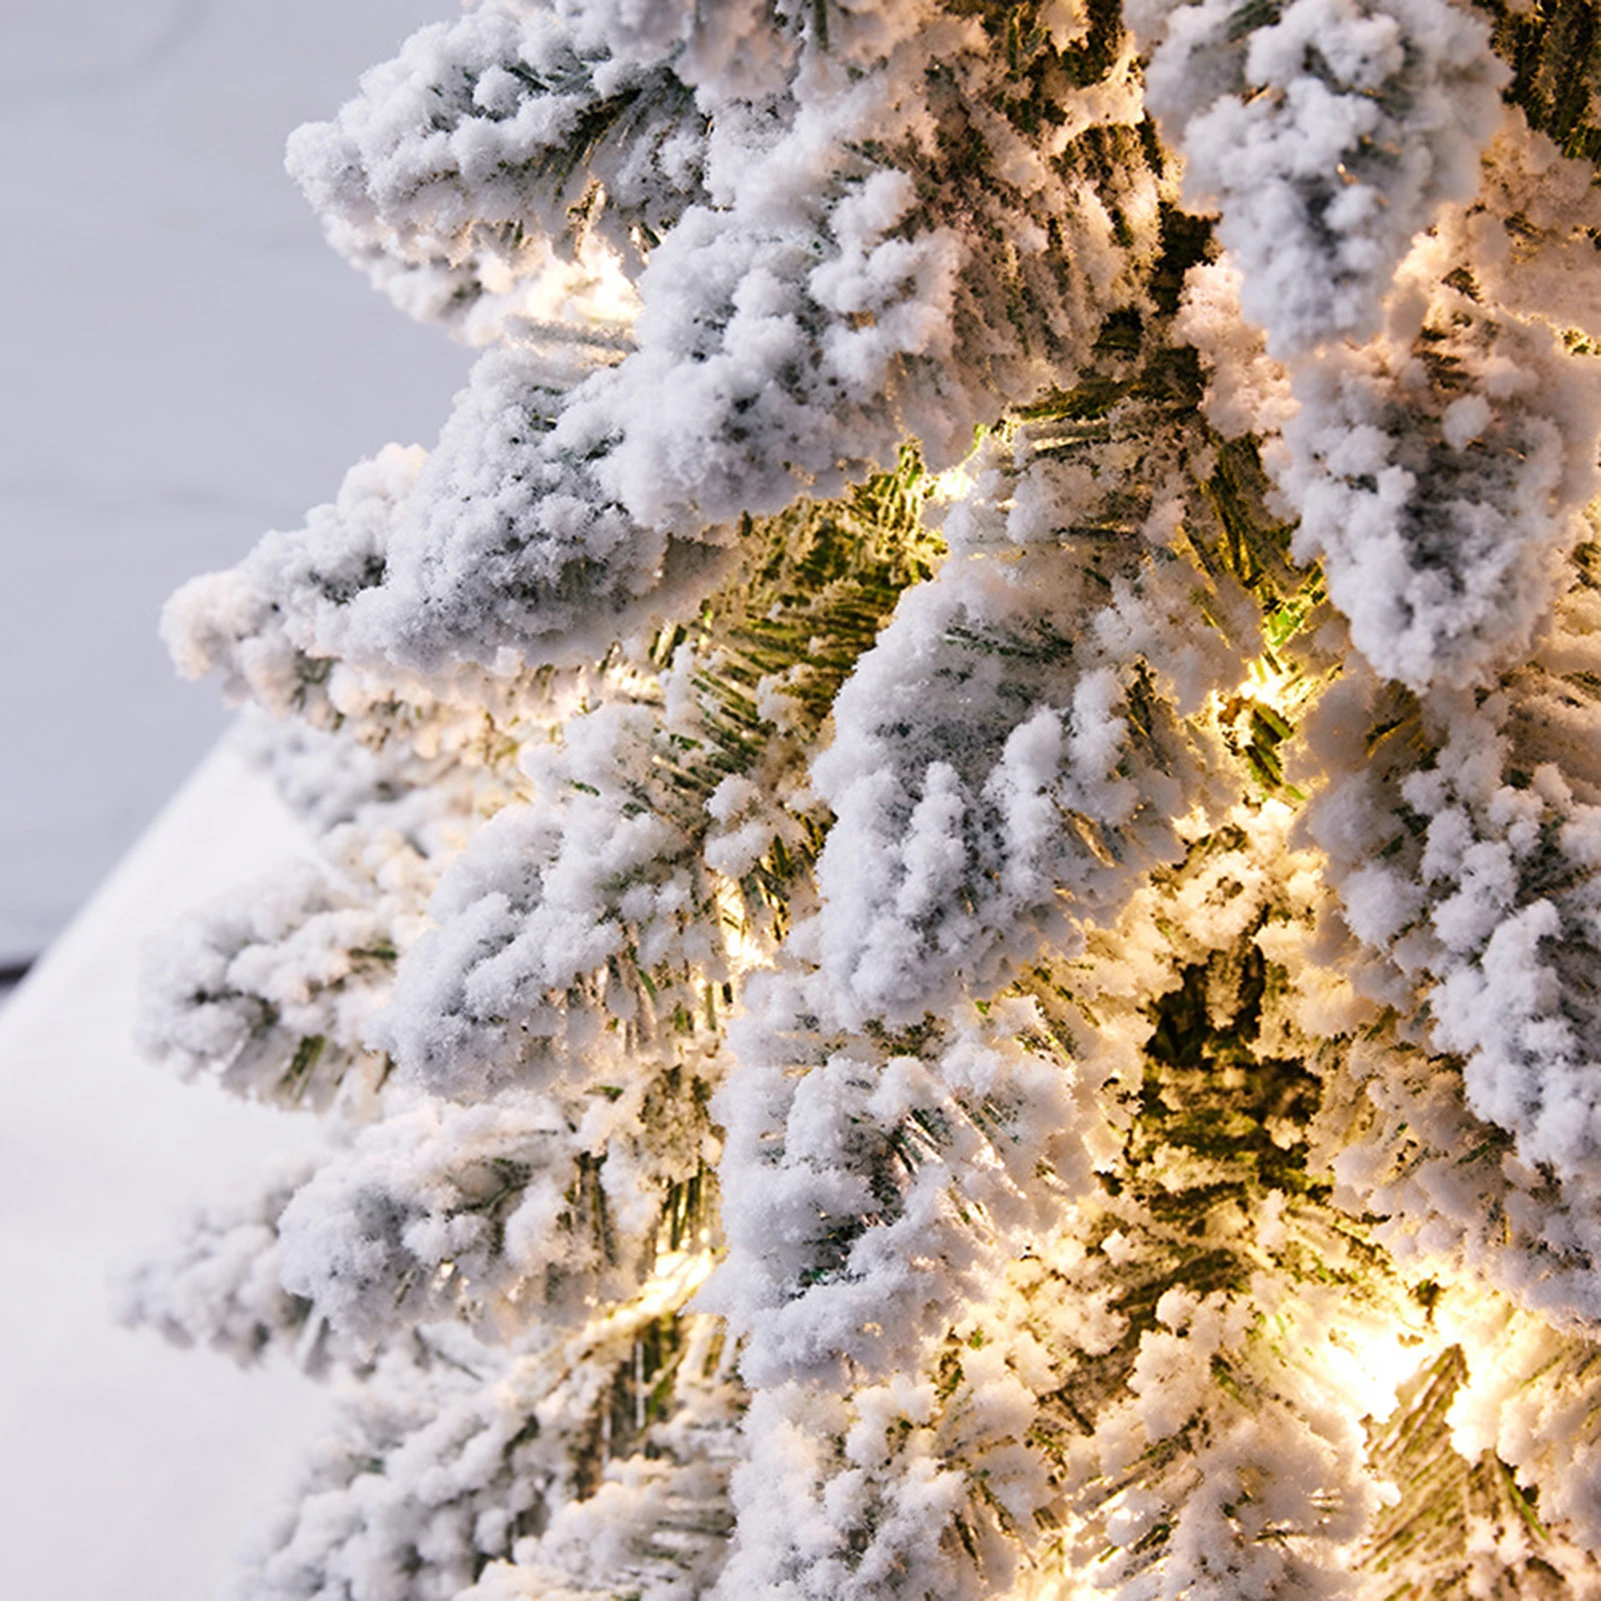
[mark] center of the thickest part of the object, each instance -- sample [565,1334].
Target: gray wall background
[183,364]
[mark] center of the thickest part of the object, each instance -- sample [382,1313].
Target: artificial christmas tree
[957,939]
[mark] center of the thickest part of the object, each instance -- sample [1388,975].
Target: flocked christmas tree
[957,949]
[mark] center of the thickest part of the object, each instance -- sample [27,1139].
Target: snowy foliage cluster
[956,944]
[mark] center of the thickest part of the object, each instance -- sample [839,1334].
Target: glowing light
[1368,1363]
[955,483]
[1270,685]
[744,951]
[677,1276]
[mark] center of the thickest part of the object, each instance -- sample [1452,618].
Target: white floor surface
[131,1471]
